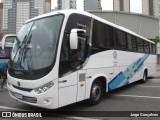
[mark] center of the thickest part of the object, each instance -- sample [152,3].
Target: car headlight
[44,88]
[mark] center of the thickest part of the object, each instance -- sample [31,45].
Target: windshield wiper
[28,53]
[18,40]
[19,47]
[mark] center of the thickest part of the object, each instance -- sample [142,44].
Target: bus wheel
[96,93]
[144,76]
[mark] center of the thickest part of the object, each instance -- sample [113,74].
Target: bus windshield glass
[36,43]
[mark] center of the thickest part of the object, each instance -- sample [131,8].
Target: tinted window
[140,45]
[150,48]
[109,36]
[134,43]
[102,35]
[71,59]
[129,41]
[120,39]
[146,47]
[154,49]
[99,34]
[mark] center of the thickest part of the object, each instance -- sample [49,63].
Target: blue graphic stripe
[117,80]
[127,74]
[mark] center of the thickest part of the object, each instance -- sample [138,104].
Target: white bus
[68,56]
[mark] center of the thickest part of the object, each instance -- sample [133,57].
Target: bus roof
[69,12]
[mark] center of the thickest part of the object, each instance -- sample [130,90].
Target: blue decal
[123,77]
[2,65]
[117,80]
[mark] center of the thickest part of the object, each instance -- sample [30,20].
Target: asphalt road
[134,97]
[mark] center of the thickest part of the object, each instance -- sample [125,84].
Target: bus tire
[144,76]
[96,93]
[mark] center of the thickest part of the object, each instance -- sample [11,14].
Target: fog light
[47,100]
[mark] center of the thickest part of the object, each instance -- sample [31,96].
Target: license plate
[17,95]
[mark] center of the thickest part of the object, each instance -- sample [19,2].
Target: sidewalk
[157,74]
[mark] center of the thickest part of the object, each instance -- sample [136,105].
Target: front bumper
[47,99]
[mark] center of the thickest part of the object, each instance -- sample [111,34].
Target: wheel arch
[103,80]
[145,70]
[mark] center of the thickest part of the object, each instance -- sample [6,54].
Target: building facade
[66,4]
[59,4]
[47,6]
[144,25]
[1,19]
[16,12]
[92,5]
[121,5]
[150,7]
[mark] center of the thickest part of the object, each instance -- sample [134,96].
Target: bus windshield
[36,43]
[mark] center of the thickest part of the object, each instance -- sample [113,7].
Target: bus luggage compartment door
[81,85]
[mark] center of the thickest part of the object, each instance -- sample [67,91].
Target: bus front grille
[24,98]
[23,89]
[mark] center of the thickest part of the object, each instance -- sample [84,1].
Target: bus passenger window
[140,45]
[134,43]
[150,47]
[129,41]
[146,46]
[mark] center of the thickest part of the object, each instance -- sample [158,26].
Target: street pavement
[135,97]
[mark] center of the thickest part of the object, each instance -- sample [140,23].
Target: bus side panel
[150,64]
[128,67]
[93,74]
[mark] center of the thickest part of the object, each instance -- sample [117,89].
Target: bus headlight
[44,88]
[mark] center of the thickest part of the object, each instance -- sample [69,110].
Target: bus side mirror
[3,42]
[74,38]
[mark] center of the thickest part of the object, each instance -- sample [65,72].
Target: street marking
[10,108]
[149,86]
[154,80]
[135,96]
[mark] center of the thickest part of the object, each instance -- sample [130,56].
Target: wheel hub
[96,92]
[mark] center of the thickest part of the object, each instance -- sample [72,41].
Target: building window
[151,7]
[121,5]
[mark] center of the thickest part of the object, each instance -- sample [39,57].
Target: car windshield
[36,43]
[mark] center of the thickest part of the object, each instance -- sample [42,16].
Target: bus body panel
[81,85]
[46,100]
[127,68]
[68,89]
[92,74]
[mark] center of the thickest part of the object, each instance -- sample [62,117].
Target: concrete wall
[145,26]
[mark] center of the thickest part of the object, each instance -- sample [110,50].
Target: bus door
[72,59]
[83,50]
[72,81]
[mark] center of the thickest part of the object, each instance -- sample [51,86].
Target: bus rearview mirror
[74,38]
